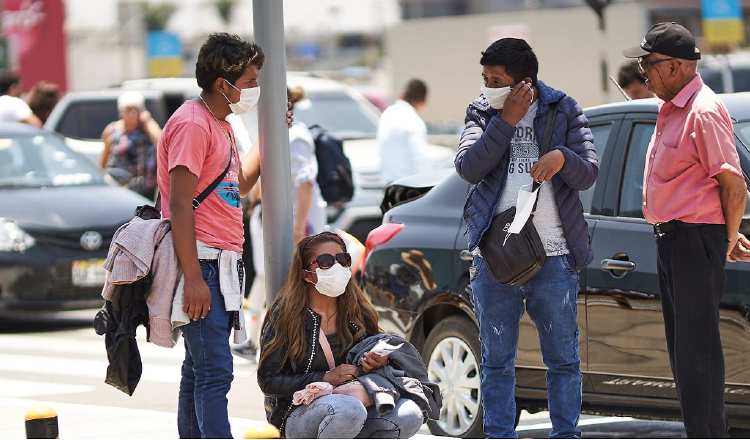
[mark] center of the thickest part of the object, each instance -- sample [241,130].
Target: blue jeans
[207,369]
[551,302]
[342,416]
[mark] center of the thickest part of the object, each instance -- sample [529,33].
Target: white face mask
[332,282]
[248,99]
[496,95]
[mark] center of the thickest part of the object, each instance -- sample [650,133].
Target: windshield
[339,113]
[43,160]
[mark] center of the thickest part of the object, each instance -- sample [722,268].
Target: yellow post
[41,422]
[262,430]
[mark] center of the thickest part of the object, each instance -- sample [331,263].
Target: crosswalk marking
[91,346]
[23,388]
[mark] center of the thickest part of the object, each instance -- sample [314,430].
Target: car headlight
[13,238]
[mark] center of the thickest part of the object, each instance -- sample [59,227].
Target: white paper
[524,206]
[383,348]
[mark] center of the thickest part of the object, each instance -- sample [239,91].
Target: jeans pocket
[568,263]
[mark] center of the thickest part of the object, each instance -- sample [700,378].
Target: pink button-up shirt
[692,144]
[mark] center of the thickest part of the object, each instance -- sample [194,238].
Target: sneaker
[248,351]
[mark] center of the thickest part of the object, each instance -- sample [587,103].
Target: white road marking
[584,422]
[91,347]
[91,369]
[22,388]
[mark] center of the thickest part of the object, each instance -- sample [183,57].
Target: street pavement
[63,366]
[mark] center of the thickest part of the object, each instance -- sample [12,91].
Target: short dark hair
[415,91]
[225,56]
[43,98]
[629,74]
[515,55]
[8,79]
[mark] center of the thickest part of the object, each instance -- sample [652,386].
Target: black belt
[666,228]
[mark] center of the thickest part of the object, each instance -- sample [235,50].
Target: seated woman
[319,300]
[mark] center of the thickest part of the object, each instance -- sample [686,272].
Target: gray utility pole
[268,21]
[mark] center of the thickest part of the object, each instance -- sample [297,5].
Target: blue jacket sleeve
[581,166]
[480,151]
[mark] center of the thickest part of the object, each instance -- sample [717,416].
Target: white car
[82,116]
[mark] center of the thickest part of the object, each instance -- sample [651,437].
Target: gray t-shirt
[524,153]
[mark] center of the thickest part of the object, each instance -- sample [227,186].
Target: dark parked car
[417,274]
[57,218]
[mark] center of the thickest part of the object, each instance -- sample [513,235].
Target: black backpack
[334,169]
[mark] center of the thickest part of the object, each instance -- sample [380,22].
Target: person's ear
[220,86]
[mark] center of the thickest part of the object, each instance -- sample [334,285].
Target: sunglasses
[326,261]
[644,66]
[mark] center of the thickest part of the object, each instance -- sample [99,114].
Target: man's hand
[548,166]
[197,299]
[518,102]
[145,117]
[341,374]
[740,251]
[289,114]
[372,362]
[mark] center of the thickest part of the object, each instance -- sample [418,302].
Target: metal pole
[268,21]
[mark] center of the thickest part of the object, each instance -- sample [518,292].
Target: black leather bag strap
[210,188]
[545,146]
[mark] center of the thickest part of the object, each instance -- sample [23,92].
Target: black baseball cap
[669,39]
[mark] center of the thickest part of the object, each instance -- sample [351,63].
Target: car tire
[456,333]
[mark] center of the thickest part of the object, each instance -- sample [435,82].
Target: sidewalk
[96,422]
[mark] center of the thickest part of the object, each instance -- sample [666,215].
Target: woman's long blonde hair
[287,315]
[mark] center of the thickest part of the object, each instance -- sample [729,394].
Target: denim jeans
[550,298]
[207,369]
[342,416]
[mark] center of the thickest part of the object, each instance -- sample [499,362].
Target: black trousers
[692,279]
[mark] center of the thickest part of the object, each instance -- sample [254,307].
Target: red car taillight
[379,236]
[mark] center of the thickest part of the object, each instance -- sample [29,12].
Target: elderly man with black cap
[694,194]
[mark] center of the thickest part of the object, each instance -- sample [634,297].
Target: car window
[712,78]
[601,134]
[741,79]
[338,113]
[43,160]
[87,119]
[631,189]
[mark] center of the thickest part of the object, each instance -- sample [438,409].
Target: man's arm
[576,162]
[302,211]
[197,297]
[106,138]
[250,170]
[733,199]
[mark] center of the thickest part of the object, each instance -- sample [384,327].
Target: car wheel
[452,352]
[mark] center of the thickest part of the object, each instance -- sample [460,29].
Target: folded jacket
[140,248]
[231,284]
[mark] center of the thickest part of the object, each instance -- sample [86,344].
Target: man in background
[402,133]
[12,107]
[632,82]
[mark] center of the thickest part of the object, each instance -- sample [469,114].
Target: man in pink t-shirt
[694,194]
[196,147]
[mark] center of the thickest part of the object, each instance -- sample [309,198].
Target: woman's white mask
[332,282]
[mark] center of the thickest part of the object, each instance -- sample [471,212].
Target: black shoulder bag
[515,259]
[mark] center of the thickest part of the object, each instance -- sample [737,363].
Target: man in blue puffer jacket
[499,154]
